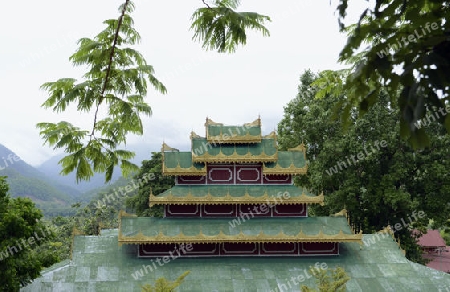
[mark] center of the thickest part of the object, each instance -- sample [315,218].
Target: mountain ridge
[25,180]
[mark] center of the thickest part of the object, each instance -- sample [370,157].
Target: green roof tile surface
[99,264]
[150,226]
[237,190]
[286,158]
[200,146]
[174,158]
[238,131]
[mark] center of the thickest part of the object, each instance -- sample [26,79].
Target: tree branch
[205,3]
[108,69]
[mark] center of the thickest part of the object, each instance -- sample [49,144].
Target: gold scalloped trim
[342,213]
[166,147]
[255,123]
[211,122]
[235,157]
[292,169]
[281,237]
[178,170]
[234,138]
[194,135]
[300,147]
[209,199]
[271,135]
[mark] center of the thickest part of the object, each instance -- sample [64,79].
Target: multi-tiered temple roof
[235,186]
[204,189]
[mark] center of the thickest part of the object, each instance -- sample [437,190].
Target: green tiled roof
[100,265]
[190,230]
[235,194]
[180,163]
[246,133]
[289,162]
[286,158]
[216,130]
[211,226]
[236,190]
[203,151]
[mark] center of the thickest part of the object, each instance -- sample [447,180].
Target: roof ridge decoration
[278,169]
[209,199]
[235,134]
[281,237]
[194,135]
[299,147]
[178,170]
[272,135]
[166,147]
[211,122]
[342,213]
[255,123]
[235,157]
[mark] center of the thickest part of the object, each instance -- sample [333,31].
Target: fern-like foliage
[403,47]
[163,285]
[221,28]
[117,79]
[336,282]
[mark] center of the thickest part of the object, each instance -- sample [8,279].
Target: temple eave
[228,199]
[234,138]
[227,202]
[187,171]
[285,171]
[239,238]
[181,172]
[234,159]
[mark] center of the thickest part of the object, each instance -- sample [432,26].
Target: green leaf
[222,29]
[115,83]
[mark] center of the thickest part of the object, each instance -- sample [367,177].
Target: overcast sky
[259,79]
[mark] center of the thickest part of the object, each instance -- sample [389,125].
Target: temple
[233,196]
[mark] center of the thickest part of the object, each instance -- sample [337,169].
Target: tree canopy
[117,79]
[116,85]
[223,29]
[368,169]
[403,48]
[21,232]
[139,203]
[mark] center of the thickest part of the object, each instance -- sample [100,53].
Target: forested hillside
[26,181]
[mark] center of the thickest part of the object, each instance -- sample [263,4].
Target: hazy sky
[259,79]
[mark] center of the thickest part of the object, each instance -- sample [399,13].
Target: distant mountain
[99,193]
[53,169]
[26,181]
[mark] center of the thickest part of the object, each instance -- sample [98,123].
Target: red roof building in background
[435,250]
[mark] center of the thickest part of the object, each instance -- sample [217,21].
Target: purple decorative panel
[190,180]
[236,249]
[319,248]
[240,248]
[284,248]
[258,210]
[277,179]
[248,174]
[182,210]
[154,250]
[219,211]
[204,249]
[221,175]
[298,210]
